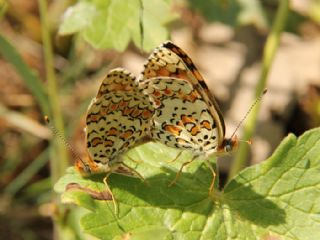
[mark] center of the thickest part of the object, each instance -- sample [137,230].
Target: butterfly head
[88,166]
[229,145]
[83,167]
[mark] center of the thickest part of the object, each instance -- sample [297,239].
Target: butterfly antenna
[65,142]
[250,109]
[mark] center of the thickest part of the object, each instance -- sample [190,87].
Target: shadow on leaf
[189,194]
[249,205]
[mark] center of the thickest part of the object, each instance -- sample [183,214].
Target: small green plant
[278,198]
[113,24]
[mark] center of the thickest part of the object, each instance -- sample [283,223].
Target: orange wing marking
[205,124]
[96,141]
[173,129]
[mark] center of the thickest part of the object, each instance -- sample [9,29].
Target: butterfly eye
[87,169]
[228,146]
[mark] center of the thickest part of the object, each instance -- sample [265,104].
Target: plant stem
[59,160]
[270,49]
[58,153]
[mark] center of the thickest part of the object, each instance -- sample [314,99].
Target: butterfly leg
[173,160]
[180,171]
[134,160]
[133,172]
[115,204]
[125,170]
[213,175]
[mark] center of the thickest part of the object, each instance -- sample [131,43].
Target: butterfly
[187,115]
[117,119]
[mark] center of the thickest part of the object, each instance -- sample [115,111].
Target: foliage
[241,12]
[28,75]
[254,12]
[266,200]
[114,23]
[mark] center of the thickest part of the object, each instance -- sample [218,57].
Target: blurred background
[225,39]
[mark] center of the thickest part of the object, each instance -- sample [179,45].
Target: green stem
[58,153]
[24,177]
[59,159]
[270,49]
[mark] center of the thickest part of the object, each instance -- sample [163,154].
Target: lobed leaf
[114,23]
[276,199]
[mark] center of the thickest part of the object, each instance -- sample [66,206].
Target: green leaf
[252,12]
[77,17]
[277,199]
[281,195]
[113,23]
[217,10]
[156,14]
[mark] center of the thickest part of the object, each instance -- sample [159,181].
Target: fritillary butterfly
[187,115]
[117,119]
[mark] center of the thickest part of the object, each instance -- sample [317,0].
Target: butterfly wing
[117,80]
[168,60]
[182,119]
[116,120]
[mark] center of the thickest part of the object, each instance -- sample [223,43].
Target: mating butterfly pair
[169,103]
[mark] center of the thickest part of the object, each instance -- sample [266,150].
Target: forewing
[168,60]
[117,80]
